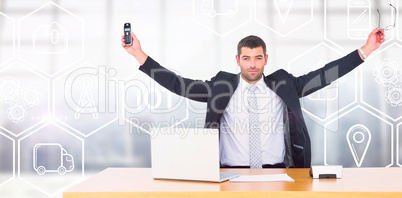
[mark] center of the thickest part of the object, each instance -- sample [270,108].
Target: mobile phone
[127,34]
[359,18]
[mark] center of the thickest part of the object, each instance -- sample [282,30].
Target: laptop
[187,154]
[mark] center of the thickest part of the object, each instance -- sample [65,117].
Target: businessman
[259,116]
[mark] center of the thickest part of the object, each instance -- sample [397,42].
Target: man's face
[252,62]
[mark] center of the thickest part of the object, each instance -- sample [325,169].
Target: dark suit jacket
[218,91]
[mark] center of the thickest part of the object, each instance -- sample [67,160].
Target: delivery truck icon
[52,157]
[213,8]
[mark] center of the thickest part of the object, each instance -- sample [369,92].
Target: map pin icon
[358,138]
[283,8]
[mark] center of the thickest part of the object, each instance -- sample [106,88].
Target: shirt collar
[261,86]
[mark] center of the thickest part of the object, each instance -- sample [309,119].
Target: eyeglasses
[389,27]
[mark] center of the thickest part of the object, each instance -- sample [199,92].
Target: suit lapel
[278,86]
[227,91]
[235,82]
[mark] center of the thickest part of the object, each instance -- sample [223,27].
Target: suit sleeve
[322,77]
[193,89]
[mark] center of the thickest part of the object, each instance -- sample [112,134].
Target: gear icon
[17,112]
[394,96]
[387,72]
[31,97]
[9,90]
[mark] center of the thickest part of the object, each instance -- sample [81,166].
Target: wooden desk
[137,182]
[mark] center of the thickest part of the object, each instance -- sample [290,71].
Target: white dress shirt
[234,128]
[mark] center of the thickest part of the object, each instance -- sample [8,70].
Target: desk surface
[137,182]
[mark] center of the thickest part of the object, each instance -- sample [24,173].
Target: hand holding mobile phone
[127,34]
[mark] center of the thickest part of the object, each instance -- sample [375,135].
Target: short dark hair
[251,42]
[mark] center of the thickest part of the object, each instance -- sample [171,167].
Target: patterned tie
[254,138]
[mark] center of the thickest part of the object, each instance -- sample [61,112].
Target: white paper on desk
[262,178]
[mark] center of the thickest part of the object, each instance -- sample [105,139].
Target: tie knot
[251,88]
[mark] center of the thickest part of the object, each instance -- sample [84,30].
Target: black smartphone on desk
[127,34]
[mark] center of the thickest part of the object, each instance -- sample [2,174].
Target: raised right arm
[193,89]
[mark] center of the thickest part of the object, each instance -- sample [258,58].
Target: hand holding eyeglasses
[376,37]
